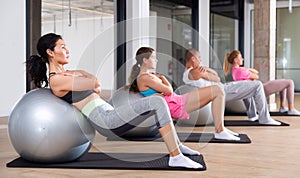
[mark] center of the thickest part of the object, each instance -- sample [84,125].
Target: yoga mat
[153,161]
[187,137]
[245,114]
[249,123]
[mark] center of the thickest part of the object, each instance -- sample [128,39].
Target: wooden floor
[274,152]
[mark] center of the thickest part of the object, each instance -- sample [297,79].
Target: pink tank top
[239,73]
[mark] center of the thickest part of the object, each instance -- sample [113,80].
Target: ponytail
[226,66]
[37,69]
[133,78]
[229,59]
[36,65]
[142,52]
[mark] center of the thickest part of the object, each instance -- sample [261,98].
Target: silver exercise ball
[44,128]
[201,116]
[237,106]
[124,97]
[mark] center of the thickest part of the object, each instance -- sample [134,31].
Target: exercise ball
[123,96]
[202,116]
[236,106]
[44,128]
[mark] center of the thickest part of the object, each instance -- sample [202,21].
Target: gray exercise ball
[124,97]
[44,128]
[236,106]
[201,116]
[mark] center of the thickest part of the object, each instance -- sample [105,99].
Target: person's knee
[162,110]
[258,85]
[291,82]
[218,91]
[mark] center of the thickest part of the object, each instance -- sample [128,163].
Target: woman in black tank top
[73,96]
[53,51]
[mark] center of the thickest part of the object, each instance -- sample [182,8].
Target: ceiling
[60,9]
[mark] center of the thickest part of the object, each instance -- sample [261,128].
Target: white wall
[12,46]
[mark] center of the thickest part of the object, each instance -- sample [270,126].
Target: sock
[183,161]
[186,150]
[231,132]
[271,122]
[225,136]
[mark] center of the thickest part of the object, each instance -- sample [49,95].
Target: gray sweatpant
[148,111]
[253,95]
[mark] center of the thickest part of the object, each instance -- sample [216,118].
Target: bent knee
[218,91]
[291,82]
[258,83]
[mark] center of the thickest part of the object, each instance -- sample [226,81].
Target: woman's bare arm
[160,84]
[62,82]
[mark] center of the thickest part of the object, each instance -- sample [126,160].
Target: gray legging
[108,120]
[285,87]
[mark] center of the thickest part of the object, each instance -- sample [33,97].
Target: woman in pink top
[285,87]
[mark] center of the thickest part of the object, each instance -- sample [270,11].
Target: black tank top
[74,96]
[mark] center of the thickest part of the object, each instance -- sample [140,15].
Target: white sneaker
[283,109]
[271,122]
[183,161]
[231,132]
[294,112]
[225,136]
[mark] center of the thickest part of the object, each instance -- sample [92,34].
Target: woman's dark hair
[143,52]
[36,64]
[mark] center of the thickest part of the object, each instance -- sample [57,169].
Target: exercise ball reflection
[44,128]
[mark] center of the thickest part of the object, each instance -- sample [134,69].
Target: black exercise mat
[154,161]
[187,137]
[245,114]
[250,123]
